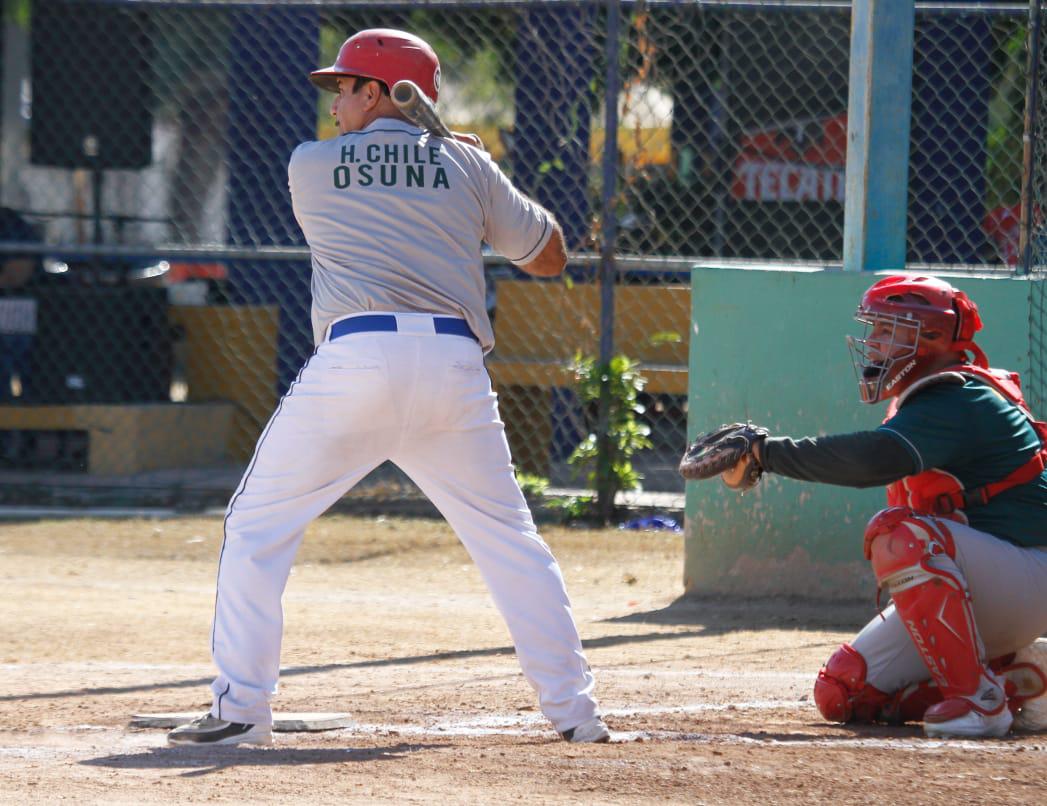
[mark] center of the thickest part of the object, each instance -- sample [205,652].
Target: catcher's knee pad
[933,603]
[896,538]
[841,693]
[900,544]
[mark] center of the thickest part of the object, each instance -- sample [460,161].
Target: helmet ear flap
[969,321]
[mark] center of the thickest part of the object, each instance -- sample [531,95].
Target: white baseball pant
[423,400]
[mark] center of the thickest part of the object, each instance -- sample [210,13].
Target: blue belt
[386,323]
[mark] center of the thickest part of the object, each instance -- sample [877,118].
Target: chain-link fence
[155,293]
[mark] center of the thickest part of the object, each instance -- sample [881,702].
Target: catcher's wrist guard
[727,451]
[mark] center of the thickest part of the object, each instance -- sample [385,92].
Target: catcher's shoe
[985,714]
[208,730]
[594,731]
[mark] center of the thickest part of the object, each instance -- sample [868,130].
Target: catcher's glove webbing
[727,451]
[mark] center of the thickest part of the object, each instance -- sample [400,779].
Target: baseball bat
[418,108]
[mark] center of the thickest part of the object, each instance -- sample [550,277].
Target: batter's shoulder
[309,147]
[467,152]
[311,153]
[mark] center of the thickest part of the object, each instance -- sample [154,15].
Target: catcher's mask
[386,55]
[910,323]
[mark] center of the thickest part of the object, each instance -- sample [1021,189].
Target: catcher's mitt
[727,451]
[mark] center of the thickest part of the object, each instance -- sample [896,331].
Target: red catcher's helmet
[386,55]
[910,322]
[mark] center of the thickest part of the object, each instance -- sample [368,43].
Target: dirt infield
[388,619]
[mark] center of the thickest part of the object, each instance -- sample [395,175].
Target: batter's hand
[726,452]
[470,139]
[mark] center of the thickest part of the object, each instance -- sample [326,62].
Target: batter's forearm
[862,459]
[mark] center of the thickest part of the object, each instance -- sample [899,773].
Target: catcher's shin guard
[841,693]
[934,605]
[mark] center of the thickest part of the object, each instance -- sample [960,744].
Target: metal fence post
[1029,138]
[609,228]
[878,126]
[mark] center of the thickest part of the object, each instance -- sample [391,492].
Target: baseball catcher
[961,547]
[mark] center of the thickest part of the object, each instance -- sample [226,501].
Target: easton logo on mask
[905,371]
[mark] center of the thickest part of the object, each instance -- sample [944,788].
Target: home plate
[282,723]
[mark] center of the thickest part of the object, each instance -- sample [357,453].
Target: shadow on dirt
[828,734]
[719,615]
[199,761]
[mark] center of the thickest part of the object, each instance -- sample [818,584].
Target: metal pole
[721,158]
[96,202]
[879,114]
[608,270]
[1029,138]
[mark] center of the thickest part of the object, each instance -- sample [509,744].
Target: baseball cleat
[593,731]
[208,730]
[959,717]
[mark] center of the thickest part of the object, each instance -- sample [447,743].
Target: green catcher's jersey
[972,432]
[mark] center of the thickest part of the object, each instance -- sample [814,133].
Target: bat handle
[402,92]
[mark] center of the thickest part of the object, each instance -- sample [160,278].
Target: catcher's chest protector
[935,492]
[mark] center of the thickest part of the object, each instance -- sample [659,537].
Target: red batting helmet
[386,55]
[911,322]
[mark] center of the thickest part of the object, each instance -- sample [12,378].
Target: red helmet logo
[911,322]
[386,55]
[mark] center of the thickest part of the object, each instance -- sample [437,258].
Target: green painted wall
[768,345]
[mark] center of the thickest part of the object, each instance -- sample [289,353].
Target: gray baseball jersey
[420,207]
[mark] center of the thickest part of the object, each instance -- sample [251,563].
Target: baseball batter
[394,218]
[962,548]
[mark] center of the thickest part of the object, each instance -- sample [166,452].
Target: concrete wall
[768,345]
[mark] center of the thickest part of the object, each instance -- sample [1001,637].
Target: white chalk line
[535,725]
[529,726]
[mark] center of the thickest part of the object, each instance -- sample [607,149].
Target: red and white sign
[802,161]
